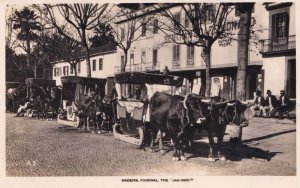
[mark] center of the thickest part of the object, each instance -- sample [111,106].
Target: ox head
[234,113]
[196,107]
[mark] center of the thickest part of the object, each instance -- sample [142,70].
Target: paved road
[45,148]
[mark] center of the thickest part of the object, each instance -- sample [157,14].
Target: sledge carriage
[74,90]
[134,91]
[38,89]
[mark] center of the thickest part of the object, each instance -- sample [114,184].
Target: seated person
[284,104]
[270,105]
[259,104]
[22,109]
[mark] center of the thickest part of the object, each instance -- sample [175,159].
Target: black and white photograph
[162,93]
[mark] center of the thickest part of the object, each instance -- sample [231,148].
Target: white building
[102,66]
[279,49]
[147,54]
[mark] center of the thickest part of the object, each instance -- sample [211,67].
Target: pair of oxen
[178,116]
[92,109]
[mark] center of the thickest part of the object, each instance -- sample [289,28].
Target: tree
[56,48]
[26,22]
[80,18]
[103,36]
[128,27]
[244,10]
[204,23]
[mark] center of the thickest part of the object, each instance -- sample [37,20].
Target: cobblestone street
[45,148]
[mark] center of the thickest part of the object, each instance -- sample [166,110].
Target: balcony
[144,67]
[279,47]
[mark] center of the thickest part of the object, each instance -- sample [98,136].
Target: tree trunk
[87,55]
[243,48]
[27,59]
[206,51]
[88,63]
[123,66]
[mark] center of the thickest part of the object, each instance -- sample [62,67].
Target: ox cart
[74,89]
[38,88]
[134,90]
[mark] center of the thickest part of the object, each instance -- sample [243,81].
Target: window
[71,69]
[132,32]
[131,59]
[186,20]
[56,72]
[122,60]
[79,66]
[100,64]
[155,57]
[66,70]
[176,52]
[144,29]
[280,25]
[122,34]
[208,13]
[155,26]
[177,21]
[94,65]
[190,52]
[143,57]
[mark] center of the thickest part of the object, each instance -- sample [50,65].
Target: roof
[38,82]
[143,78]
[101,50]
[83,80]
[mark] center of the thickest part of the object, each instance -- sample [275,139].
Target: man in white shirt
[259,104]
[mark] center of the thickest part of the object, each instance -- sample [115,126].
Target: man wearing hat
[284,104]
[259,104]
[270,105]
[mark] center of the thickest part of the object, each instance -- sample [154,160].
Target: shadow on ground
[240,151]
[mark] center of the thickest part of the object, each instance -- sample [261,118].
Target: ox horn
[207,101]
[230,104]
[184,101]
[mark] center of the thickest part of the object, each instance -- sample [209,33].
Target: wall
[275,74]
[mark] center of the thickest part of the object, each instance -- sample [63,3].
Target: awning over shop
[143,78]
[40,82]
[83,80]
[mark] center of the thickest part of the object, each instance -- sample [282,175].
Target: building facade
[102,66]
[150,53]
[278,49]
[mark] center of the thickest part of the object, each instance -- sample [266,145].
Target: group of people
[269,106]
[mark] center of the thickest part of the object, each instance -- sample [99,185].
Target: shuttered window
[280,25]
[176,52]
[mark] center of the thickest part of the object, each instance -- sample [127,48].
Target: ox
[178,116]
[217,116]
[88,109]
[169,114]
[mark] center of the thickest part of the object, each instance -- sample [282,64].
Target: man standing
[259,104]
[271,104]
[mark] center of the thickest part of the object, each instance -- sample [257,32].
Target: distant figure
[270,105]
[138,93]
[166,71]
[215,88]
[284,104]
[259,104]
